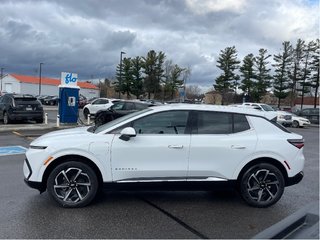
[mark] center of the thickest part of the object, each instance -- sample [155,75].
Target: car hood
[75,133]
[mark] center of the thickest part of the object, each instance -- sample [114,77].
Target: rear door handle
[238,147]
[176,146]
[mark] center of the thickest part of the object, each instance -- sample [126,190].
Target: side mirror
[127,133]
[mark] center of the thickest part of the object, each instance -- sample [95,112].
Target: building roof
[49,81]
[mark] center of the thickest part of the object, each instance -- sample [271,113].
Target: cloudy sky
[87,37]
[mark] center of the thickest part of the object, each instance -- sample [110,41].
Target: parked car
[310,113]
[182,146]
[283,117]
[51,100]
[96,105]
[119,109]
[298,121]
[15,107]
[42,98]
[82,101]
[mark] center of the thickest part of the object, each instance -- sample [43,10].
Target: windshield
[119,120]
[267,107]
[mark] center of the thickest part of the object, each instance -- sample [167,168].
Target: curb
[38,127]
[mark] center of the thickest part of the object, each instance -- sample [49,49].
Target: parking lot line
[12,150]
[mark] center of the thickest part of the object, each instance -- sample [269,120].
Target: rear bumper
[26,115]
[295,179]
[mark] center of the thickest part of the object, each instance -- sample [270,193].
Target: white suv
[97,105]
[181,145]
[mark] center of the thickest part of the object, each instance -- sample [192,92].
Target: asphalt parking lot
[27,214]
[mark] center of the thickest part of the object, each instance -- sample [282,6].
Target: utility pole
[1,78]
[120,82]
[40,79]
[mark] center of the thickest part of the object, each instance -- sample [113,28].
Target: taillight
[299,143]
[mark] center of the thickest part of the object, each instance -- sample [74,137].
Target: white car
[178,145]
[298,121]
[282,117]
[97,105]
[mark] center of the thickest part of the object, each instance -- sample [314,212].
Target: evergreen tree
[228,63]
[247,74]
[127,77]
[137,80]
[153,70]
[261,74]
[315,72]
[296,74]
[305,81]
[281,80]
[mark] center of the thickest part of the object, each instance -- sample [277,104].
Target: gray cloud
[87,36]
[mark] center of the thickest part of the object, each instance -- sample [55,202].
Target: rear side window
[220,123]
[214,123]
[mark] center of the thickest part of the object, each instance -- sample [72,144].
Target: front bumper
[27,174]
[295,179]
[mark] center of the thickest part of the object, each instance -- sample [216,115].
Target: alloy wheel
[72,185]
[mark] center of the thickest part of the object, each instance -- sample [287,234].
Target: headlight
[38,147]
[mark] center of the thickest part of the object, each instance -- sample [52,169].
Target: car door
[99,104]
[159,152]
[219,143]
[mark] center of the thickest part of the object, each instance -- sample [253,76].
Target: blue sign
[69,79]
[12,150]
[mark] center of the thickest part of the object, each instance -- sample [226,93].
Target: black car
[119,109]
[51,100]
[20,107]
[310,113]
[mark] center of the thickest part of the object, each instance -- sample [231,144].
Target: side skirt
[171,186]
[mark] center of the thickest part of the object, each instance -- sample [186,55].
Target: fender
[105,171]
[262,154]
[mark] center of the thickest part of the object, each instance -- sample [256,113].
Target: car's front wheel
[295,124]
[72,184]
[86,112]
[262,185]
[6,118]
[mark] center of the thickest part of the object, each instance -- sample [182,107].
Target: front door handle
[176,146]
[238,147]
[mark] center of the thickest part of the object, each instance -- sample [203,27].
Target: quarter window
[171,122]
[240,123]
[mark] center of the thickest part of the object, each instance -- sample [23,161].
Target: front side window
[171,122]
[118,106]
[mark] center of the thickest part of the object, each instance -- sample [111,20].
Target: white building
[21,84]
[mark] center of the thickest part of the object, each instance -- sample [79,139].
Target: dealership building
[22,84]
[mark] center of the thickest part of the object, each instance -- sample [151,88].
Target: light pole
[120,80]
[40,79]
[1,78]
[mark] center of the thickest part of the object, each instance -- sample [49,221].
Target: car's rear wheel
[262,185]
[295,124]
[6,118]
[86,112]
[72,184]
[40,120]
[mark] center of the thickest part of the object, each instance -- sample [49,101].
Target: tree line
[150,75]
[294,72]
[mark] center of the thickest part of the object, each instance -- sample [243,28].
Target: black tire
[100,120]
[72,184]
[39,120]
[6,118]
[262,185]
[86,112]
[295,124]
